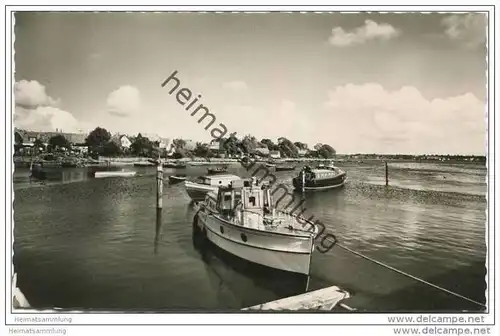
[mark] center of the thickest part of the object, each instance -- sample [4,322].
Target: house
[121,140]
[261,151]
[275,154]
[303,152]
[29,137]
[217,148]
[190,145]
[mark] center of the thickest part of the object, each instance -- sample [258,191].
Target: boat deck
[281,222]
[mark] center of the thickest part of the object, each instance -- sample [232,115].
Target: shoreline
[24,162]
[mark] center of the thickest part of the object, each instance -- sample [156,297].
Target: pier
[321,299]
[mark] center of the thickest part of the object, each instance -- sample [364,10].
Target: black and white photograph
[332,162]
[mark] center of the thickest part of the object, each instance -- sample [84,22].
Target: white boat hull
[283,252]
[114,174]
[198,191]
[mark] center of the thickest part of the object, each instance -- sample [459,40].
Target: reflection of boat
[100,174]
[36,171]
[324,177]
[197,190]
[284,167]
[217,170]
[241,220]
[177,178]
[228,274]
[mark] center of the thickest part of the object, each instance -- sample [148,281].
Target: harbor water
[86,243]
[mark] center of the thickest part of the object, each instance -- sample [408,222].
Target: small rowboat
[285,168]
[174,165]
[177,178]
[218,170]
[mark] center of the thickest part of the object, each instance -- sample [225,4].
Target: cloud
[235,85]
[468,29]
[31,94]
[369,31]
[403,121]
[124,101]
[283,118]
[37,111]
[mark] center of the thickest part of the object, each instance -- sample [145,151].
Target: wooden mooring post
[386,174]
[159,201]
[159,184]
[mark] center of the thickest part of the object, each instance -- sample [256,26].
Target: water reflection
[84,244]
[238,277]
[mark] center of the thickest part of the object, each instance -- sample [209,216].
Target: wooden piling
[159,185]
[386,174]
[159,202]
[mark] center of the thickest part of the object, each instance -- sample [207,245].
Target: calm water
[90,243]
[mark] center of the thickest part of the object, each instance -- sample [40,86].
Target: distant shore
[24,162]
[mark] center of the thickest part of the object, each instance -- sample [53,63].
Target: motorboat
[284,168]
[204,184]
[323,177]
[175,165]
[240,218]
[217,170]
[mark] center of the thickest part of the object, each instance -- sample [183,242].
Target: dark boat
[218,170]
[175,165]
[177,178]
[313,179]
[285,168]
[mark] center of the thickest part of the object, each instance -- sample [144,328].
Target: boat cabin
[243,194]
[218,180]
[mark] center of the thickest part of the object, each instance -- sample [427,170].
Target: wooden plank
[321,299]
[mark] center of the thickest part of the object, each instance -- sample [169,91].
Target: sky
[361,82]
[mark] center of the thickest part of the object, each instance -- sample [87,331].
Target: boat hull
[277,251]
[332,183]
[197,191]
[176,179]
[284,168]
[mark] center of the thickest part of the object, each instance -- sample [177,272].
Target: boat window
[253,200]
[227,201]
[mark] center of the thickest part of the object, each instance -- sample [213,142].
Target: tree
[97,139]
[37,144]
[59,141]
[326,151]
[232,145]
[110,148]
[269,144]
[249,144]
[301,145]
[287,148]
[317,146]
[18,139]
[202,150]
[18,142]
[142,146]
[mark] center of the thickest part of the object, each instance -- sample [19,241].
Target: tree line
[100,142]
